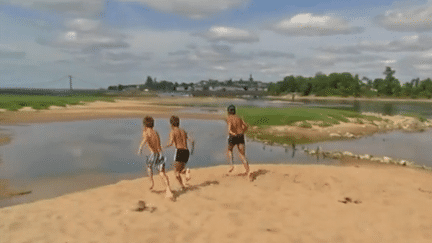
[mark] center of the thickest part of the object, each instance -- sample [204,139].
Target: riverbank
[282,203]
[333,98]
[121,108]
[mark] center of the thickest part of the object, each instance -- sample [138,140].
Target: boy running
[156,159]
[236,129]
[179,138]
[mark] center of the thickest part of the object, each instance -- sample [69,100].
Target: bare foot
[188,177]
[151,187]
[230,170]
[169,195]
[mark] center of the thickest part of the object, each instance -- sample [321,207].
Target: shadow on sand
[180,192]
[257,173]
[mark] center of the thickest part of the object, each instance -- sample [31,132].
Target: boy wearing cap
[178,137]
[156,159]
[236,129]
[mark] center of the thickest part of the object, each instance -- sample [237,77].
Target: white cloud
[229,34]
[309,25]
[195,9]
[417,19]
[412,43]
[77,7]
[8,52]
[275,54]
[331,60]
[179,53]
[85,35]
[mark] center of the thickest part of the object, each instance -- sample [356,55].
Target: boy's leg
[150,175]
[164,177]
[188,176]
[242,152]
[179,168]
[230,157]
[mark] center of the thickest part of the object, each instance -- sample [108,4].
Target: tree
[308,89]
[391,84]
[149,82]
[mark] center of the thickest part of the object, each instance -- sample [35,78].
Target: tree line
[345,84]
[153,84]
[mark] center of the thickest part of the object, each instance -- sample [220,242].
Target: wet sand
[284,203]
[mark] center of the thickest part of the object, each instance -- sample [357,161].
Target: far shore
[288,97]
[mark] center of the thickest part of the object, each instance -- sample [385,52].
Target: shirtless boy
[178,137]
[156,159]
[236,129]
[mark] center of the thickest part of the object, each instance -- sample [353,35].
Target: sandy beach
[282,204]
[358,202]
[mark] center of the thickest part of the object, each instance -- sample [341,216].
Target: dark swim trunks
[236,139]
[181,155]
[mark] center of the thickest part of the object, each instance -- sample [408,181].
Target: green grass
[287,116]
[15,102]
[264,117]
[305,124]
[187,104]
[415,115]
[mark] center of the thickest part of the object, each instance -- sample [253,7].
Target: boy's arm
[192,141]
[170,140]
[159,144]
[229,127]
[244,126]
[143,142]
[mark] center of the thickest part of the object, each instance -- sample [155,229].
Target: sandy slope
[283,204]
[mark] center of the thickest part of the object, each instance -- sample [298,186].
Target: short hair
[231,110]
[148,121]
[175,121]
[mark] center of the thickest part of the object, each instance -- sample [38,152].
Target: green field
[287,116]
[265,117]
[15,102]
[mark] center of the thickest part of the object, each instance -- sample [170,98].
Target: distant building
[180,88]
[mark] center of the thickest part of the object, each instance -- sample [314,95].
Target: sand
[284,203]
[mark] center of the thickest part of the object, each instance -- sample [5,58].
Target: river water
[52,159]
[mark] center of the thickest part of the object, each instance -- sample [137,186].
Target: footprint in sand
[349,200]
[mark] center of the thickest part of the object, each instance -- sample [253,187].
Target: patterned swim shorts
[156,160]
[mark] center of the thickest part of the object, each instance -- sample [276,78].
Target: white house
[180,88]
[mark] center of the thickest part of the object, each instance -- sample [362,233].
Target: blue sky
[102,43]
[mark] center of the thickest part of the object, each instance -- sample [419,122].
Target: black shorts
[235,139]
[181,155]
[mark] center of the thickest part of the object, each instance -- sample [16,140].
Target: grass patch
[187,104]
[287,116]
[38,102]
[277,139]
[420,117]
[305,124]
[325,124]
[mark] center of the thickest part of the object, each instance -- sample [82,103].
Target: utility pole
[70,81]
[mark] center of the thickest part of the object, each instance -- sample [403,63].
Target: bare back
[152,139]
[179,138]
[236,125]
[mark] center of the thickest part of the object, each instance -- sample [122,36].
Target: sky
[110,42]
